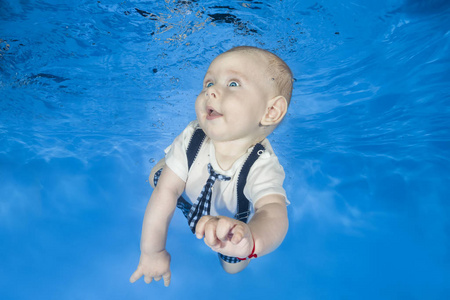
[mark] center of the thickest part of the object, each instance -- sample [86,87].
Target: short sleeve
[176,158]
[266,177]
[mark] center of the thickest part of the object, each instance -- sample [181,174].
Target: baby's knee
[233,268]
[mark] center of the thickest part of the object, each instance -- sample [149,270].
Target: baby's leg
[161,164]
[233,268]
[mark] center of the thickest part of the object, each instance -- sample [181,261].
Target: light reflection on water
[92,93]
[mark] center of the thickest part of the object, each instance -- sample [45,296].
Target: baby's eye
[233,83]
[209,84]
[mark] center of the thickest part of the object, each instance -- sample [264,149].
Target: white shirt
[266,176]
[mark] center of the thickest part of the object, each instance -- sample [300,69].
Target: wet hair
[279,71]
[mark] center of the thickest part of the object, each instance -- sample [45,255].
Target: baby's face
[236,90]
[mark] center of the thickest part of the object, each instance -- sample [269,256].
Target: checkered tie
[203,204]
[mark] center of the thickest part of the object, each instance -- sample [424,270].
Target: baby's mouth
[212,113]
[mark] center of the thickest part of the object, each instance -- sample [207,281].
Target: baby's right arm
[154,262]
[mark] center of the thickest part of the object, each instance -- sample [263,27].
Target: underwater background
[92,92]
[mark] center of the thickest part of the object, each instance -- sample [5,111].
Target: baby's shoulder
[268,153]
[267,163]
[188,132]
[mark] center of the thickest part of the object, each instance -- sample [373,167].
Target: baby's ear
[275,111]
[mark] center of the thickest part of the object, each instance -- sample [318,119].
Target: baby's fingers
[210,233]
[238,234]
[148,279]
[200,227]
[224,229]
[136,275]
[166,278]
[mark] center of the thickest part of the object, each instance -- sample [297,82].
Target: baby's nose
[211,93]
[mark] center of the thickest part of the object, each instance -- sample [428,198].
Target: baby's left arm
[264,233]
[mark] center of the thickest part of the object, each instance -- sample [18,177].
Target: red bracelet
[252,255]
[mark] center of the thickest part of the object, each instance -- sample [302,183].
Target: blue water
[91,92]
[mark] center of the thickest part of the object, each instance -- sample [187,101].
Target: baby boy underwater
[225,166]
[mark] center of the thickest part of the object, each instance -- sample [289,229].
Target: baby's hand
[153,266]
[225,235]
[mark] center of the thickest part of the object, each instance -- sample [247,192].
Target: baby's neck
[228,152]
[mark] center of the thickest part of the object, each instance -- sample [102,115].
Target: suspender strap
[243,204]
[194,146]
[243,210]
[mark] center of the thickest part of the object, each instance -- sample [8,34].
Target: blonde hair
[278,70]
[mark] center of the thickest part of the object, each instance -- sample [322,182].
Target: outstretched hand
[153,266]
[225,235]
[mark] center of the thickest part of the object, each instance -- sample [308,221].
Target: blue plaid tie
[203,204]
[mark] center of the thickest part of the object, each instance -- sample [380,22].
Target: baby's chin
[213,132]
